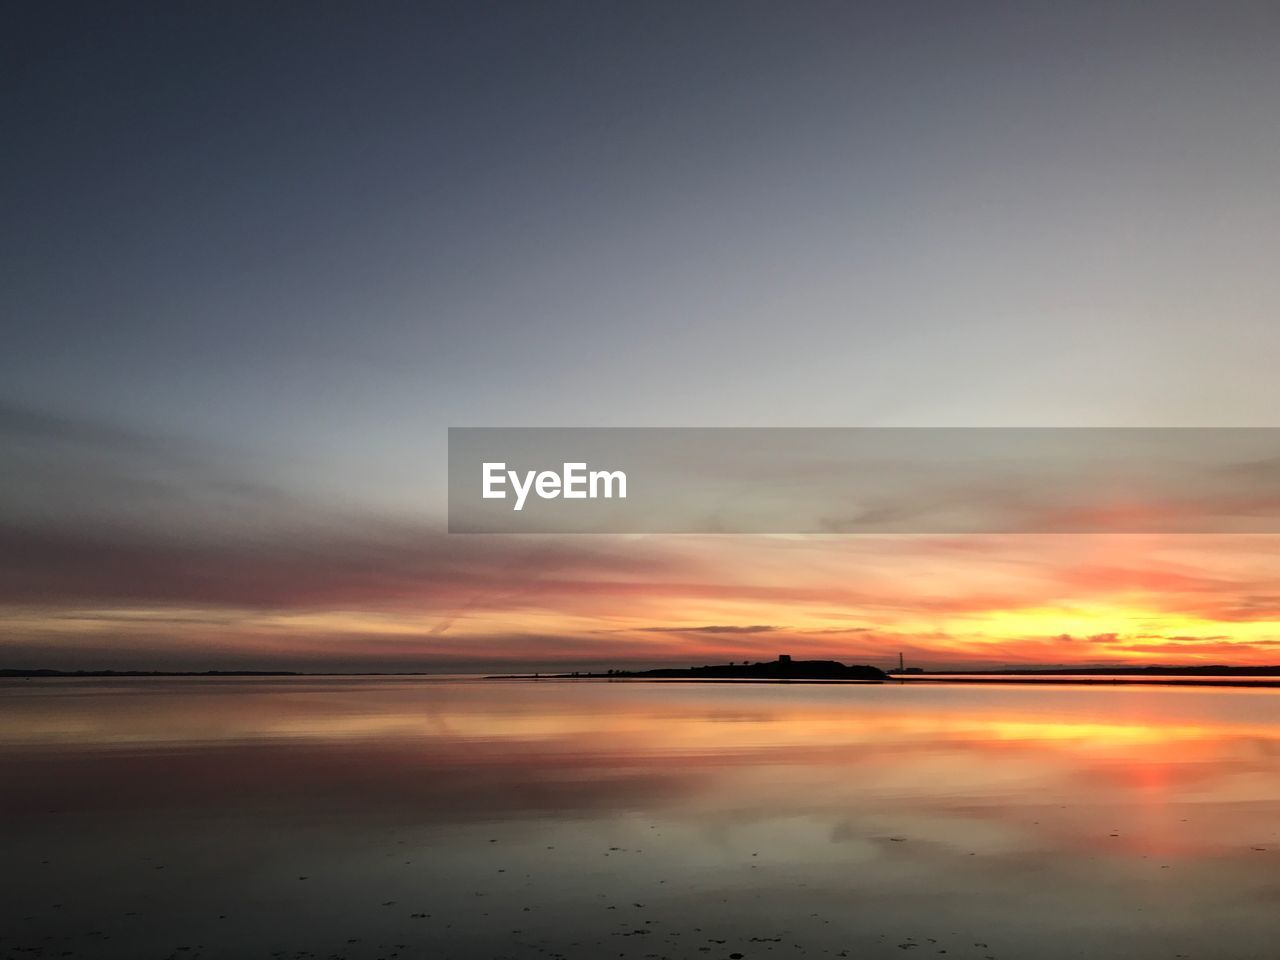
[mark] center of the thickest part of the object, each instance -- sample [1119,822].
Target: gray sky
[282,248]
[321,235]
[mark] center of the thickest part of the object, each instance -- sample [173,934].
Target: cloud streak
[126,550]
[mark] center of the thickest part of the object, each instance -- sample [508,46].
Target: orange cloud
[412,597]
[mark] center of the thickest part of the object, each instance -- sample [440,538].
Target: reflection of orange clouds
[695,717]
[1059,769]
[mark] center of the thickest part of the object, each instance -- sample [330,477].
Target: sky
[257,260]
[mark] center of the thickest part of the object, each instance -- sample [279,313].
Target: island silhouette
[784,668]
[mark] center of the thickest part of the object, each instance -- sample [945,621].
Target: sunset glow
[602,602]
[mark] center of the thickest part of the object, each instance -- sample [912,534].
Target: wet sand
[364,817]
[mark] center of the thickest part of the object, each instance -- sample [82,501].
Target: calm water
[412,818]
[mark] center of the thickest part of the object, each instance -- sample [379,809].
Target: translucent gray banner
[864,480]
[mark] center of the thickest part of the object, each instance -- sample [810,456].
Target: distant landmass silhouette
[1152,670]
[147,673]
[784,668]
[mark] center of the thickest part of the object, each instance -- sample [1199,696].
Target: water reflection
[519,819]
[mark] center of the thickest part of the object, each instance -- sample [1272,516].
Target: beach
[386,817]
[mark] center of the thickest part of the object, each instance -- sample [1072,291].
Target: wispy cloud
[715,628]
[117,546]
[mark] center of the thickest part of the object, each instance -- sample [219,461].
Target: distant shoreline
[1007,680]
[1108,680]
[61,674]
[1210,670]
[1261,678]
[785,670]
[108,674]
